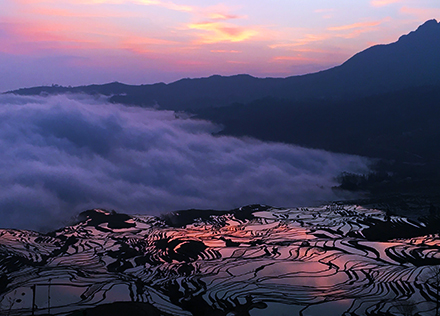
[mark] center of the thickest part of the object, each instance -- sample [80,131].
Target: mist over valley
[64,154]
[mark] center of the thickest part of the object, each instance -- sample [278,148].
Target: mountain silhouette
[412,61]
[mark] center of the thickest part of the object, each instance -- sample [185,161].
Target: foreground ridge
[255,260]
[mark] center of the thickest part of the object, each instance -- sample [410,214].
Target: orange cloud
[220,32]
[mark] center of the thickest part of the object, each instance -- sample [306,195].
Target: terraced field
[256,260]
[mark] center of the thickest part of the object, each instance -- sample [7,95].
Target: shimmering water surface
[256,260]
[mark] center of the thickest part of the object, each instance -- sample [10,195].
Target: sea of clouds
[61,155]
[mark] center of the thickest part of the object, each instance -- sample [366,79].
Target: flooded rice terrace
[256,260]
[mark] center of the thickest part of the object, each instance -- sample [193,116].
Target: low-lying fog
[61,155]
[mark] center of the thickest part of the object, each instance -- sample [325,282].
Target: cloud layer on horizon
[61,155]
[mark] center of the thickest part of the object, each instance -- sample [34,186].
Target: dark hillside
[402,124]
[401,127]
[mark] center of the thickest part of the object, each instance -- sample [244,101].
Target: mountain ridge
[410,61]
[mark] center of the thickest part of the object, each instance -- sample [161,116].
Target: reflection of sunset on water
[255,258]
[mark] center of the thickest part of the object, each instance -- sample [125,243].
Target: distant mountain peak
[430,29]
[429,24]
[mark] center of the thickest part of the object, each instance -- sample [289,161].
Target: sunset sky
[75,42]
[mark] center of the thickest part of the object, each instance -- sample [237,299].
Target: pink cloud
[144,45]
[225,51]
[28,38]
[422,14]
[292,58]
[355,26]
[166,4]
[356,29]
[221,16]
[237,62]
[57,12]
[381,3]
